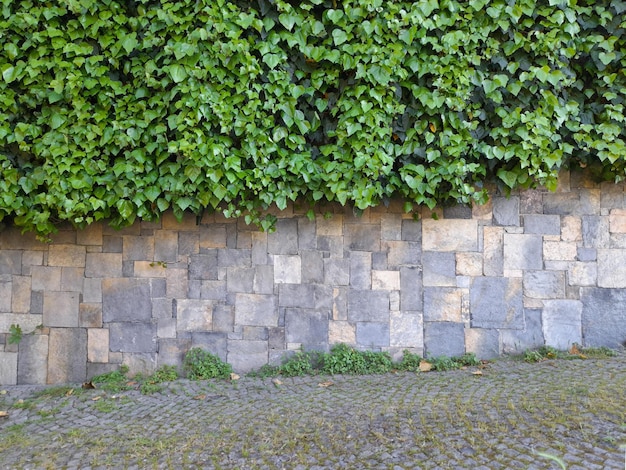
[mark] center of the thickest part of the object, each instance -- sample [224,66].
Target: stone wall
[532,269]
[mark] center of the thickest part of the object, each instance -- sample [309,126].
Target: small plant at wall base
[201,365]
[15,334]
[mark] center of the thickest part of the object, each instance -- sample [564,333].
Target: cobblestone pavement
[555,414]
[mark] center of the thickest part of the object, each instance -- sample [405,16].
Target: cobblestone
[512,415]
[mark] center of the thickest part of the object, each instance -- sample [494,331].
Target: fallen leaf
[88,385]
[574,351]
[325,384]
[432,127]
[199,397]
[131,383]
[69,392]
[234,376]
[477,372]
[3,392]
[96,398]
[277,382]
[425,366]
[4,414]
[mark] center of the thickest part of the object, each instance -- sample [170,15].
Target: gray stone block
[166,246]
[542,224]
[92,290]
[439,268]
[223,318]
[10,262]
[284,240]
[372,335]
[412,230]
[523,251]
[379,261]
[46,278]
[240,279]
[306,234]
[104,265]
[158,288]
[32,365]
[340,303]
[307,326]
[213,290]
[36,302]
[603,317]
[336,272]
[263,280]
[496,303]
[333,246]
[172,352]
[8,368]
[312,267]
[401,254]
[215,343]
[188,243]
[129,337]
[276,339]
[60,309]
[444,339]
[112,244]
[411,289]
[595,231]
[361,270]
[138,248]
[245,356]
[229,257]
[67,355]
[194,315]
[458,211]
[203,266]
[368,305]
[287,269]
[255,333]
[72,279]
[391,226]
[5,296]
[612,268]
[256,309]
[506,211]
[128,269]
[296,295]
[483,342]
[323,296]
[126,300]
[362,237]
[544,284]
[530,337]
[562,323]
[586,254]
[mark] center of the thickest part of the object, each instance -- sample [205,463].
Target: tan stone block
[450,235]
[90,315]
[66,256]
[149,269]
[177,283]
[28,322]
[30,259]
[170,222]
[443,304]
[341,332]
[617,221]
[469,264]
[484,211]
[571,229]
[11,238]
[559,251]
[72,279]
[385,280]
[98,345]
[532,303]
[103,265]
[329,226]
[46,278]
[213,236]
[90,235]
[20,295]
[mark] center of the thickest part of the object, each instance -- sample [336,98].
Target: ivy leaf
[177,72]
[129,42]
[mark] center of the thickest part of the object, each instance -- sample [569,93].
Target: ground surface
[513,416]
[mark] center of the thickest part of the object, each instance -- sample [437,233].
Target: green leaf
[177,72]
[129,42]
[334,15]
[339,36]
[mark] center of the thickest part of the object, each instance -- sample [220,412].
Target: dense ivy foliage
[122,109]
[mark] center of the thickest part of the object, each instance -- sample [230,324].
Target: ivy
[120,110]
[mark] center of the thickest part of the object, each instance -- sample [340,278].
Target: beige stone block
[484,211]
[8,368]
[582,274]
[170,222]
[103,265]
[559,251]
[28,322]
[150,269]
[98,345]
[60,309]
[329,226]
[571,229]
[341,332]
[406,330]
[20,295]
[72,279]
[213,236]
[72,256]
[450,235]
[532,303]
[617,221]
[30,259]
[11,238]
[90,235]
[385,280]
[443,304]
[46,278]
[469,264]
[90,315]
[177,283]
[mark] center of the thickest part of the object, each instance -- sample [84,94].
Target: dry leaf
[277,382]
[234,376]
[432,127]
[70,392]
[96,398]
[4,414]
[477,372]
[88,385]
[425,366]
[131,383]
[574,351]
[199,397]
[3,392]
[326,384]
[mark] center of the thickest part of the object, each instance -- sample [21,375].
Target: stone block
[296,295]
[617,221]
[612,196]
[263,282]
[307,326]
[571,229]
[340,304]
[496,302]
[148,269]
[230,257]
[333,246]
[522,251]
[112,244]
[372,335]
[256,309]
[458,211]
[90,235]
[379,261]
[126,300]
[188,243]
[72,279]
[559,251]
[544,284]
[449,235]
[323,297]
[542,224]
[213,236]
[469,264]
[362,237]
[444,339]
[188,222]
[483,211]
[506,211]
[306,234]
[8,368]
[6,288]
[411,289]
[582,274]
[60,309]
[166,328]
[406,330]
[203,266]
[32,364]
[442,304]
[140,363]
[138,248]
[386,280]
[259,248]
[439,268]
[401,254]
[213,290]
[603,317]
[530,337]
[46,278]
[239,279]
[103,265]
[92,290]
[368,306]
[287,269]
[336,272]
[194,315]
[67,355]
[493,251]
[255,333]
[312,267]
[585,202]
[284,240]
[98,345]
[20,295]
[276,338]
[163,308]
[245,356]
[341,332]
[562,323]
[10,262]
[361,270]
[412,230]
[172,352]
[483,342]
[28,322]
[166,246]
[177,285]
[66,256]
[30,259]
[611,268]
[329,226]
[214,342]
[391,227]
[127,337]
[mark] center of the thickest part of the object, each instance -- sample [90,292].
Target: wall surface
[532,269]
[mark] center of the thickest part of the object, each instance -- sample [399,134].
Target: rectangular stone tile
[493,249]
[67,355]
[172,352]
[307,326]
[60,309]
[542,224]
[329,226]
[127,337]
[10,262]
[336,272]
[194,315]
[90,315]
[544,284]
[36,301]
[312,267]
[166,246]
[188,222]
[72,279]
[90,235]
[28,322]
[103,265]
[362,237]
[72,256]
[530,337]
[571,229]
[126,300]
[391,227]
[284,240]
[585,202]
[215,343]
[582,274]
[245,356]
[457,211]
[30,259]
[368,305]
[240,279]
[444,339]
[256,309]
[263,282]
[412,230]
[287,269]
[406,330]
[612,268]
[259,248]
[32,364]
[361,270]
[296,295]
[333,246]
[496,303]
[372,335]
[177,283]
[617,221]
[443,304]
[449,235]
[306,234]
[138,248]
[602,325]
[341,332]
[483,342]
[6,288]
[13,239]
[506,211]
[92,290]
[483,211]
[213,236]
[562,323]
[469,263]
[439,268]
[20,294]
[98,345]
[340,303]
[213,290]
[522,251]
[385,280]
[223,318]
[411,289]
[229,257]
[8,368]
[400,253]
[559,251]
